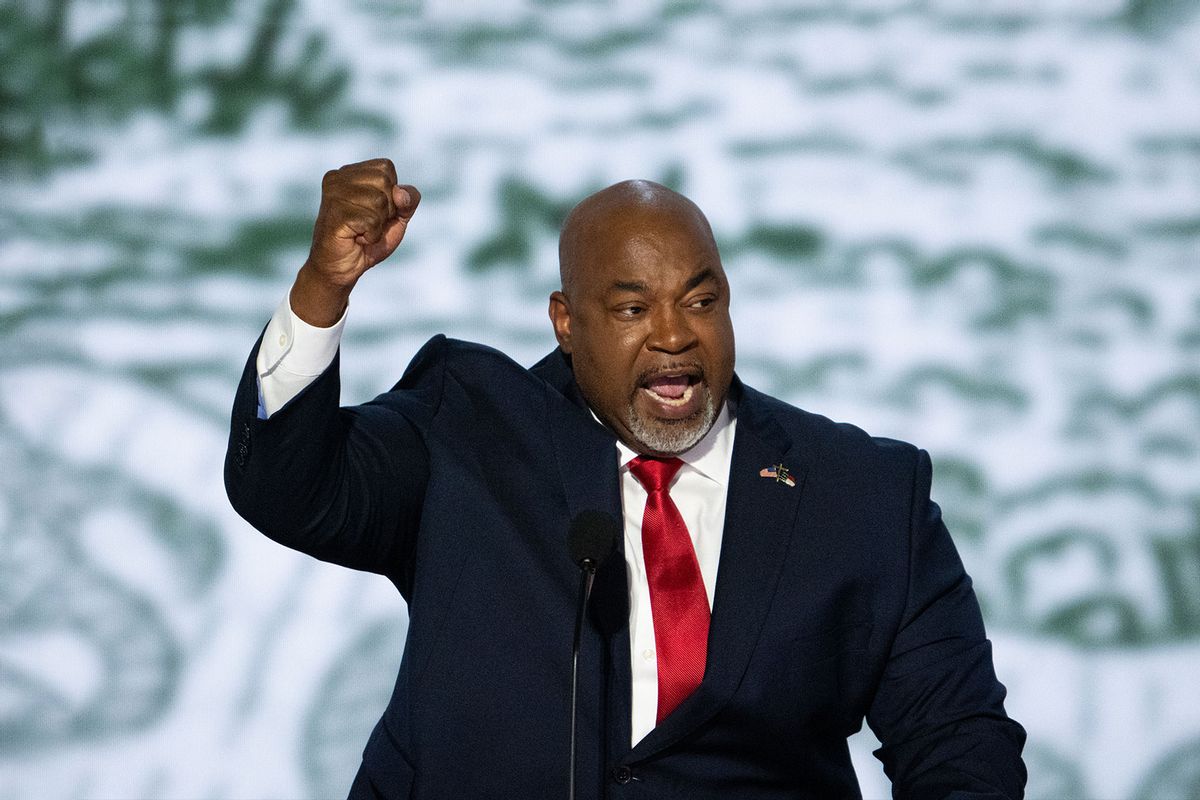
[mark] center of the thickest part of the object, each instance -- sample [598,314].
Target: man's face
[646,322]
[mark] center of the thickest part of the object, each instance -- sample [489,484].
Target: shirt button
[648,654]
[282,339]
[622,775]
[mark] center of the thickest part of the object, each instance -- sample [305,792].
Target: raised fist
[363,216]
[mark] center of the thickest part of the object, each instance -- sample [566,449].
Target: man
[780,577]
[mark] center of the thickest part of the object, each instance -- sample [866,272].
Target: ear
[560,318]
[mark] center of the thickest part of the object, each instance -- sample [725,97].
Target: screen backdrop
[971,224]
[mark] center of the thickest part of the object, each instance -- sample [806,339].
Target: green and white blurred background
[972,224]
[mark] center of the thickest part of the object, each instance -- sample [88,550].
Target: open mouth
[672,390]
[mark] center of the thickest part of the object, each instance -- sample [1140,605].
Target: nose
[671,331]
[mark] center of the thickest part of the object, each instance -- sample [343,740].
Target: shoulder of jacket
[468,363]
[836,440]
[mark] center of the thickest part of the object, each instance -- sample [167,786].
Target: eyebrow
[699,278]
[637,286]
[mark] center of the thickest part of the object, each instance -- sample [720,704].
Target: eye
[631,311]
[702,302]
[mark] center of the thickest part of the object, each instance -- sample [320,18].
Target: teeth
[673,401]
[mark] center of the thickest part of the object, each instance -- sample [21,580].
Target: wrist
[316,300]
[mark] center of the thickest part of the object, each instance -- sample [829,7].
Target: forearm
[955,740]
[343,485]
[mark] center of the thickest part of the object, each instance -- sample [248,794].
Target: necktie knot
[654,474]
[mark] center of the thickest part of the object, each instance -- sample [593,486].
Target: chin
[671,437]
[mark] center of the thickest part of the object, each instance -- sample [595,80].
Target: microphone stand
[587,574]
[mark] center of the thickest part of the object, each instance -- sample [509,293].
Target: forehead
[648,247]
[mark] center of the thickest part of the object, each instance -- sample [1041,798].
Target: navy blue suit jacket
[837,599]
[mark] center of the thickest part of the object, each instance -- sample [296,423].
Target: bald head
[614,214]
[644,315]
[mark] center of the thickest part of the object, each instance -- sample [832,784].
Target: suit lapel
[585,450]
[586,453]
[759,518]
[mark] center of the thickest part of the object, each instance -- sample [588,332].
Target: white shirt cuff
[291,356]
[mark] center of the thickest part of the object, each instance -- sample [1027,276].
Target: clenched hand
[363,216]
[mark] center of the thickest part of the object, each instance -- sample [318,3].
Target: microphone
[590,539]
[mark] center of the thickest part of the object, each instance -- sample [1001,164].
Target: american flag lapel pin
[779,472]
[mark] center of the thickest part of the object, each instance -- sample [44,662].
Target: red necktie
[678,602]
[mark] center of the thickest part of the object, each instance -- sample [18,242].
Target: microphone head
[592,537]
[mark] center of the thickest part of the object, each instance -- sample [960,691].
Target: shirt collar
[710,456]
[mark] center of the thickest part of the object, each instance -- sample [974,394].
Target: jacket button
[622,775]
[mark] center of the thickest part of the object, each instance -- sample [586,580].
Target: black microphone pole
[592,536]
[587,574]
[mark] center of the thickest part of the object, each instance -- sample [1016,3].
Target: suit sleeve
[939,709]
[345,485]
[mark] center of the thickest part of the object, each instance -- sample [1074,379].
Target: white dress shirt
[699,491]
[292,355]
